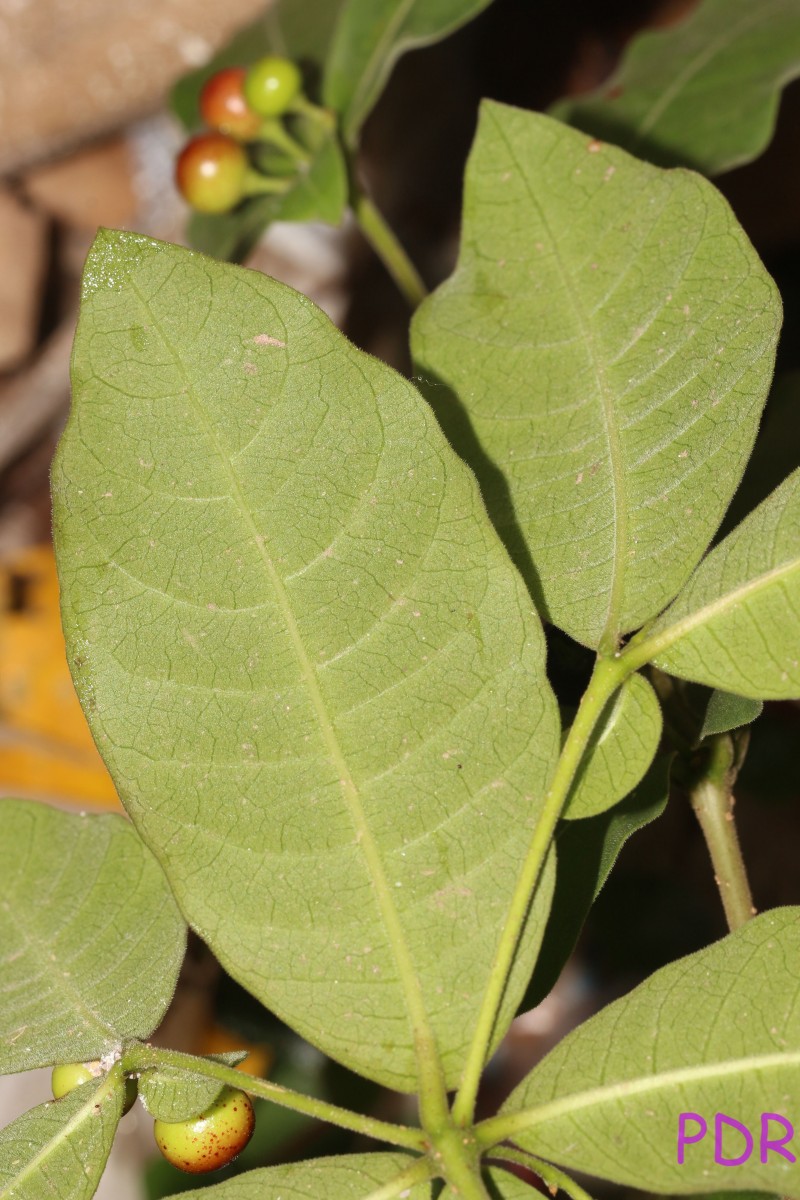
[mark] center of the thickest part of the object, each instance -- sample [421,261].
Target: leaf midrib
[610,634]
[35,944]
[409,979]
[692,68]
[54,1143]
[657,643]
[608,1093]
[368,74]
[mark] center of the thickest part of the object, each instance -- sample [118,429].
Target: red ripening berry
[211,1140]
[210,173]
[223,106]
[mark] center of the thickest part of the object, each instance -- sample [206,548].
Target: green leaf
[346,1177]
[601,353]
[369,38]
[317,192]
[716,1032]
[704,93]
[619,752]
[169,1094]
[737,1196]
[315,676]
[91,937]
[58,1150]
[586,851]
[726,712]
[297,29]
[734,625]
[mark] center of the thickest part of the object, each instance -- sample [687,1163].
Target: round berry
[211,1140]
[223,106]
[210,173]
[271,85]
[68,1076]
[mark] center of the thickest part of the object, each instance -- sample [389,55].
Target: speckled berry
[211,1140]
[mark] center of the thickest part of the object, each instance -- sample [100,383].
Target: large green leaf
[716,1032]
[734,626]
[602,352]
[58,1150]
[347,1177]
[586,852]
[619,752]
[315,676]
[369,38]
[704,93]
[91,939]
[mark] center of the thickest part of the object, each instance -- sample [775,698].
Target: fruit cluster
[240,106]
[203,1143]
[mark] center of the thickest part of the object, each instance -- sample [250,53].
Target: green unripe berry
[211,173]
[211,1140]
[271,84]
[68,1076]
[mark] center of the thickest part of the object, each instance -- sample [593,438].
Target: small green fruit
[68,1076]
[271,85]
[211,1140]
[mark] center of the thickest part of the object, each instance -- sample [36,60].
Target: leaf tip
[111,256]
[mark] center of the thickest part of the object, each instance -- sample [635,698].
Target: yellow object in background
[217,1040]
[46,749]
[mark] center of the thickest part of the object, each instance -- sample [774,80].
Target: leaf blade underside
[311,669]
[602,351]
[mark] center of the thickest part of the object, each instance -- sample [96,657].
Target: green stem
[421,1171]
[272,131]
[553,1178]
[607,677]
[256,184]
[304,108]
[140,1057]
[712,800]
[456,1151]
[387,247]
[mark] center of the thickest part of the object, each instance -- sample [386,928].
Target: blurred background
[87,139]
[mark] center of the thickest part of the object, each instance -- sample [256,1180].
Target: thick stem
[712,800]
[387,247]
[140,1057]
[459,1163]
[607,677]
